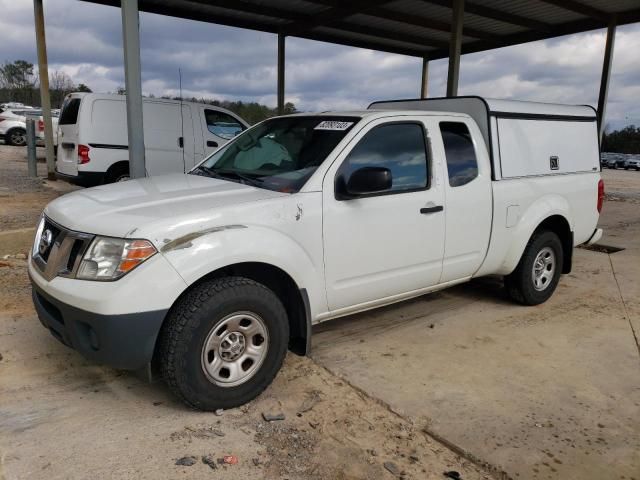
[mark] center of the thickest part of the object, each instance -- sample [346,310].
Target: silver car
[632,163]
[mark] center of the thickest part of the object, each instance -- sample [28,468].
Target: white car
[213,274]
[13,129]
[93,140]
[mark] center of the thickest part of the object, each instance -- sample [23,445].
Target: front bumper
[125,341]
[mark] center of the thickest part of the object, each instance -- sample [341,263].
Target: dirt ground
[61,417]
[375,401]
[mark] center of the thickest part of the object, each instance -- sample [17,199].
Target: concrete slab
[544,392]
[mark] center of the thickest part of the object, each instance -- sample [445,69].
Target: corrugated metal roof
[410,27]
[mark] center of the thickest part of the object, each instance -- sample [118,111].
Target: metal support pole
[455,44]
[45,101]
[425,78]
[281,61]
[133,86]
[32,161]
[606,75]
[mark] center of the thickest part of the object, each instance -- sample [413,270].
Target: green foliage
[626,140]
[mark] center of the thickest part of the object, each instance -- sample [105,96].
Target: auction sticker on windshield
[333,125]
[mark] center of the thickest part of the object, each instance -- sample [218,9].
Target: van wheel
[118,173]
[16,137]
[223,343]
[536,277]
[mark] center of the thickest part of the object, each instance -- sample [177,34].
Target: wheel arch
[294,299]
[552,213]
[114,167]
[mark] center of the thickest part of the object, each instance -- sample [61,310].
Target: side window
[222,124]
[461,156]
[400,147]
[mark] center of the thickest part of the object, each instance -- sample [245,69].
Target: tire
[521,285]
[16,137]
[118,173]
[192,354]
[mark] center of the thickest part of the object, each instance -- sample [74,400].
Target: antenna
[184,166]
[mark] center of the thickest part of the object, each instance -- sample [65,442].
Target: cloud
[85,41]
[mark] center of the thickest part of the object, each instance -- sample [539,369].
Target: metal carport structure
[428,29]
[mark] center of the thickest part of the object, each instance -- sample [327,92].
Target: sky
[85,41]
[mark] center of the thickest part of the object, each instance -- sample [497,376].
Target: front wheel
[223,343]
[536,277]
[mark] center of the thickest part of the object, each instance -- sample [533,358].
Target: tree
[60,84]
[18,81]
[626,140]
[81,87]
[289,108]
[17,75]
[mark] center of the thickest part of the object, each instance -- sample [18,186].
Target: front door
[391,242]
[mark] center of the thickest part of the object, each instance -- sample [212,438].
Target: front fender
[541,209]
[224,247]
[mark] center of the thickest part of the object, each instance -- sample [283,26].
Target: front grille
[61,253]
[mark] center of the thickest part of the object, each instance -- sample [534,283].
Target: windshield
[278,154]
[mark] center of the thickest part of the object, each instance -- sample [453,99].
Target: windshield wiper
[226,174]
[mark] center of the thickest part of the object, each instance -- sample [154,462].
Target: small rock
[414,458]
[431,325]
[373,452]
[219,412]
[230,460]
[272,417]
[155,404]
[256,461]
[452,474]
[1,357]
[599,425]
[21,256]
[392,468]
[6,257]
[209,460]
[187,461]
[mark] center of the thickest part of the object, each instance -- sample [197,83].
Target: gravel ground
[62,417]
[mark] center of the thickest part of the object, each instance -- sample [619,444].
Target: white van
[93,140]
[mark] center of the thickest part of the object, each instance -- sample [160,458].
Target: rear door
[68,133]
[468,196]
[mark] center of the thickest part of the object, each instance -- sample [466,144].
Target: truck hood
[120,209]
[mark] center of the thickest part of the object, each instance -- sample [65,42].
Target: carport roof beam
[409,27]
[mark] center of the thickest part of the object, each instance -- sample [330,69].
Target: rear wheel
[118,173]
[17,137]
[223,343]
[536,277]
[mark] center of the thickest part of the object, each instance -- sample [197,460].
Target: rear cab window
[460,153]
[69,112]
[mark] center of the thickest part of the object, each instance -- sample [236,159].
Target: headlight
[111,258]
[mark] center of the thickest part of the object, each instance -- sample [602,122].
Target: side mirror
[364,181]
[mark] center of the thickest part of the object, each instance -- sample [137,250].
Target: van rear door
[68,131]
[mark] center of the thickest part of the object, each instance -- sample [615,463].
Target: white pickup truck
[213,274]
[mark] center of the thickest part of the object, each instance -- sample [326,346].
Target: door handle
[211,143]
[181,142]
[428,210]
